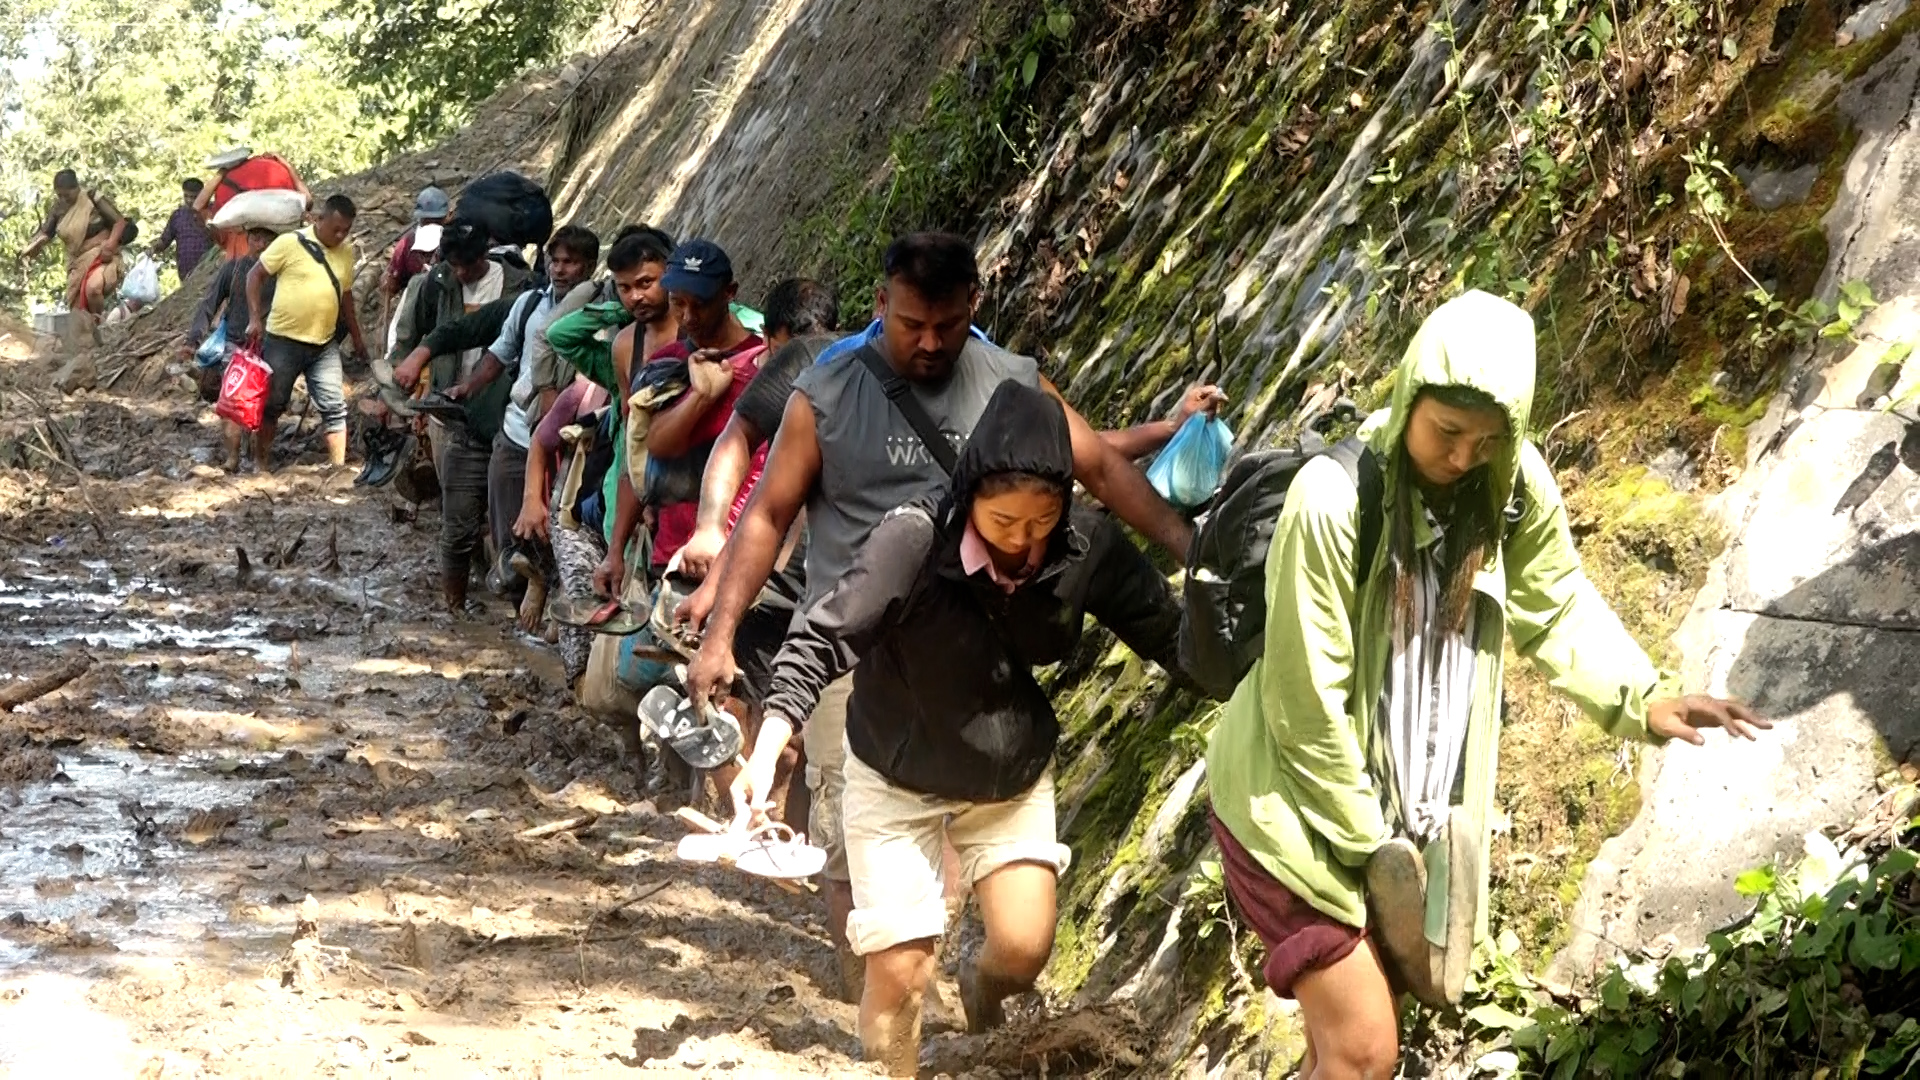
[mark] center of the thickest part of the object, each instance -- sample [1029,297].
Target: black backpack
[1223,627]
[511,207]
[1224,624]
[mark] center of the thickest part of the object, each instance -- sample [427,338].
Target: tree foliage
[425,64]
[135,95]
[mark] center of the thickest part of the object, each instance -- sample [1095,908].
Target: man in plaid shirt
[185,231]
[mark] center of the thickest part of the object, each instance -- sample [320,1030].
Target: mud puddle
[101,858]
[105,612]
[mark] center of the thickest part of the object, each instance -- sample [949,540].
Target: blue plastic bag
[213,351]
[1188,471]
[636,673]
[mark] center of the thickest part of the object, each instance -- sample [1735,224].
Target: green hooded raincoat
[1296,773]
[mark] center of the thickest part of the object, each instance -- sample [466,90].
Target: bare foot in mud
[984,1012]
[533,607]
[893,1042]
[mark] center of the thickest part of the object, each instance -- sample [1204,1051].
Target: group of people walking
[869,544]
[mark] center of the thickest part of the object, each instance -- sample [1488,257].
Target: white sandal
[771,851]
[788,859]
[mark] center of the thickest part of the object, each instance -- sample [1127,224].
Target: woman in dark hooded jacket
[951,603]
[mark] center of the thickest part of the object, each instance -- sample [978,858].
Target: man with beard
[849,455]
[640,320]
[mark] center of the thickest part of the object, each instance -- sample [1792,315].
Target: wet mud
[279,826]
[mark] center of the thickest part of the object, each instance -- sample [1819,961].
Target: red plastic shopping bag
[243,392]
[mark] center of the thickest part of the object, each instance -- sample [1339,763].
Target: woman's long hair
[1472,523]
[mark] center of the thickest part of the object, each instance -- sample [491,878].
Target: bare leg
[1353,1030]
[263,448]
[533,606]
[336,447]
[853,970]
[1017,904]
[890,1005]
[233,435]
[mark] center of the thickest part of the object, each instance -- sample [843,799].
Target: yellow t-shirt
[305,307]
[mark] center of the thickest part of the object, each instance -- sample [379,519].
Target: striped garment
[1428,698]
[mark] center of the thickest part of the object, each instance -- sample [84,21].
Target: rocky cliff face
[1271,195]
[1810,613]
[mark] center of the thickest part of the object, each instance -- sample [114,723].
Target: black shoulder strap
[901,395]
[528,300]
[320,257]
[1363,468]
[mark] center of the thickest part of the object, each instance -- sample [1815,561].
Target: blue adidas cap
[700,267]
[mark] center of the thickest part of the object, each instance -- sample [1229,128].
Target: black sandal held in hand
[595,614]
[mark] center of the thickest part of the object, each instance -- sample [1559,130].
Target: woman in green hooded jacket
[1353,770]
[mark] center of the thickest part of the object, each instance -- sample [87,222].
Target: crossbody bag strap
[901,396]
[320,257]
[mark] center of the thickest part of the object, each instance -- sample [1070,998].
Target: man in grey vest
[849,455]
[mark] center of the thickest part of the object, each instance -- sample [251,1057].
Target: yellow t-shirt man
[305,306]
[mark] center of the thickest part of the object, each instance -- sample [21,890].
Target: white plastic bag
[143,282]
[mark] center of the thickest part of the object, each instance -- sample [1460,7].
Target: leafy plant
[1819,981]
[979,121]
[1773,321]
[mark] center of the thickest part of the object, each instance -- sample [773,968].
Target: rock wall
[1271,196]
[736,120]
[1811,613]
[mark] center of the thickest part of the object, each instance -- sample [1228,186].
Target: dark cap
[699,267]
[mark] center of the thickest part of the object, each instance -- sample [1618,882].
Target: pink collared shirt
[974,558]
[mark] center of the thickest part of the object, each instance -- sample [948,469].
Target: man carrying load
[236,172]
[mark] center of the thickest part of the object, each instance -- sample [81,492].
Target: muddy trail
[292,821]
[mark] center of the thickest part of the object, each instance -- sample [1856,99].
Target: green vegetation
[135,95]
[983,122]
[421,66]
[1819,982]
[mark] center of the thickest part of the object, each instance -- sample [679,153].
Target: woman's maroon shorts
[1299,939]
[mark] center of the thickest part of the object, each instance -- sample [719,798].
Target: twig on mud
[14,695]
[286,555]
[93,512]
[586,931]
[554,828]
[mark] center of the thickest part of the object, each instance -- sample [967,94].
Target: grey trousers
[463,500]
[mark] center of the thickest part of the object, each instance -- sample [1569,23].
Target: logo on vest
[908,452]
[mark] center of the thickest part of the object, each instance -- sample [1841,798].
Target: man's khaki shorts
[825,740]
[893,844]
